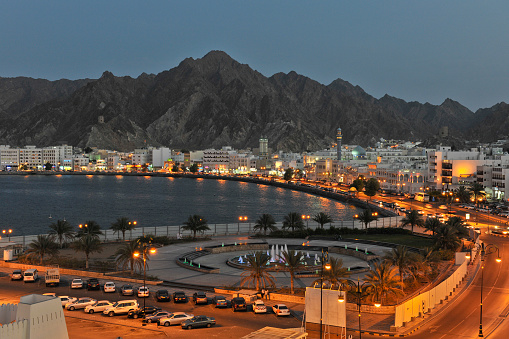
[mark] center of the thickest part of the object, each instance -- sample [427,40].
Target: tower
[264,147]
[339,137]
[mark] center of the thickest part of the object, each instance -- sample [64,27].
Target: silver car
[176,318]
[79,304]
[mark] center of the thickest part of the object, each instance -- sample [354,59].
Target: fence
[237,228]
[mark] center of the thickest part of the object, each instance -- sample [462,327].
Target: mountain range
[216,101]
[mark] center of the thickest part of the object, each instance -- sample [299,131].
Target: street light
[241,218]
[353,222]
[8,232]
[327,266]
[306,217]
[359,293]
[486,250]
[145,247]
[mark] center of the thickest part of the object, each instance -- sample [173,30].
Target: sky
[423,51]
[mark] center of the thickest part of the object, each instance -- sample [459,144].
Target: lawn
[402,239]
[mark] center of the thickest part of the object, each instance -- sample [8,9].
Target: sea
[30,203]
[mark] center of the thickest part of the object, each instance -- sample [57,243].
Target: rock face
[216,101]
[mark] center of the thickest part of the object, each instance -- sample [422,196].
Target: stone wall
[235,248]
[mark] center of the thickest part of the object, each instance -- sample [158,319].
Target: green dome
[358,151]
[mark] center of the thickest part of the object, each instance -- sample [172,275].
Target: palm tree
[446,238]
[336,275]
[294,221]
[366,217]
[322,218]
[122,225]
[413,218]
[125,256]
[256,271]
[293,264]
[477,190]
[431,224]
[401,258]
[62,230]
[41,247]
[457,224]
[88,244]
[383,280]
[463,194]
[90,227]
[196,223]
[265,222]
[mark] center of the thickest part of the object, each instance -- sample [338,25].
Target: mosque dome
[358,151]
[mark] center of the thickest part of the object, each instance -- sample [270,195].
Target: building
[217,160]
[339,139]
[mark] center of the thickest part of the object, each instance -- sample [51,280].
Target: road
[86,326]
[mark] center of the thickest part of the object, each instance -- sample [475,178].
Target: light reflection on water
[28,201]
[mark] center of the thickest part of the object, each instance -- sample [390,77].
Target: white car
[109,287]
[280,310]
[259,307]
[80,304]
[99,306]
[176,318]
[143,292]
[77,283]
[66,300]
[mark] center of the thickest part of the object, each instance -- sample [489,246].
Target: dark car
[220,301]
[199,321]
[239,304]
[143,311]
[17,275]
[163,295]
[93,284]
[179,297]
[154,317]
[200,298]
[127,290]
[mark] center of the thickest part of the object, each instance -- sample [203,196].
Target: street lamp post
[241,218]
[359,293]
[8,232]
[145,247]
[353,221]
[485,250]
[327,266]
[131,231]
[306,217]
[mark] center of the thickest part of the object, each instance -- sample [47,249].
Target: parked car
[154,317]
[121,307]
[93,284]
[127,290]
[200,298]
[442,207]
[79,304]
[162,295]
[31,275]
[175,318]
[77,283]
[109,287]
[143,292]
[220,301]
[144,311]
[280,310]
[179,297]
[239,304]
[17,275]
[199,321]
[99,306]
[66,300]
[259,307]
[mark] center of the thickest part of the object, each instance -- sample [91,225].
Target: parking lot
[229,324]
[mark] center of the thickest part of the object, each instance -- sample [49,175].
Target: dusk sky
[423,51]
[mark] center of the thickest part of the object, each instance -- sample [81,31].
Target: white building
[9,158]
[217,160]
[159,156]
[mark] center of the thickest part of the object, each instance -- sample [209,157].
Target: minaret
[264,147]
[339,137]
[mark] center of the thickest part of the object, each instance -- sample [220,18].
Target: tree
[41,247]
[196,223]
[256,271]
[265,222]
[175,168]
[336,275]
[48,166]
[431,224]
[61,230]
[122,225]
[293,265]
[477,190]
[457,224]
[413,219]
[87,244]
[183,168]
[358,184]
[90,227]
[372,186]
[401,258]
[366,217]
[446,238]
[294,221]
[288,174]
[383,281]
[125,256]
[193,168]
[463,194]
[322,218]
